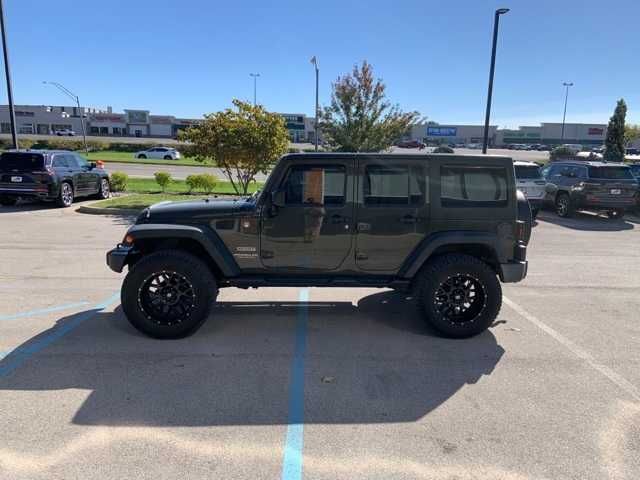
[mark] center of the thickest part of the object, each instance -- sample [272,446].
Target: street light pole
[7,71]
[255,81]
[314,61]
[496,20]
[564,115]
[73,96]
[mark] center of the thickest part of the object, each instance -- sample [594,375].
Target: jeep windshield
[527,171]
[21,161]
[610,173]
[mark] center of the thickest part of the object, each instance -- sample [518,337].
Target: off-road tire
[65,195]
[185,265]
[453,266]
[564,206]
[8,201]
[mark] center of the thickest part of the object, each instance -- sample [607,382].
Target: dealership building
[47,120]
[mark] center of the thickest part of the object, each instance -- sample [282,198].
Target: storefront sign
[442,131]
[596,131]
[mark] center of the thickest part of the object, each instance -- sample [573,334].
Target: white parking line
[616,378]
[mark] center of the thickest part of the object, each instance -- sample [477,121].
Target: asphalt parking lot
[318,383]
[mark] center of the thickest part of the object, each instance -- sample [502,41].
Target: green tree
[163,179]
[631,133]
[242,142]
[614,144]
[360,118]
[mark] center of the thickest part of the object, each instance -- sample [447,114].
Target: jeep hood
[180,212]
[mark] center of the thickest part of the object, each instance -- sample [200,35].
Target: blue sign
[442,131]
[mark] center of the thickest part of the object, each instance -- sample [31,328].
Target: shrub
[163,179]
[205,181]
[443,149]
[118,181]
[561,152]
[193,182]
[97,145]
[208,182]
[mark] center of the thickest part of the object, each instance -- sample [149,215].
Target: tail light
[521,230]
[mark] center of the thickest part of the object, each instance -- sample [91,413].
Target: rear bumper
[117,258]
[10,191]
[604,203]
[513,271]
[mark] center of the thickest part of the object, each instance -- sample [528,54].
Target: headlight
[578,187]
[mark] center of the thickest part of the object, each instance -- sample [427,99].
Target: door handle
[408,219]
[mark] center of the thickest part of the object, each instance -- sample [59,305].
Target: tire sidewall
[101,191]
[196,273]
[444,268]
[568,211]
[61,201]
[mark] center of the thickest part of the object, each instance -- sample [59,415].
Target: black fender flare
[208,239]
[431,243]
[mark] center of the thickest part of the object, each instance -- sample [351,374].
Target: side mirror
[277,198]
[551,188]
[92,165]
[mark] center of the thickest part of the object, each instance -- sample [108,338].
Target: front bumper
[513,271]
[117,258]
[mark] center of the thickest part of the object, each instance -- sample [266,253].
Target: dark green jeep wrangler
[445,227]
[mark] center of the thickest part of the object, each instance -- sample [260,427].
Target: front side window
[315,185]
[59,161]
[389,185]
[468,186]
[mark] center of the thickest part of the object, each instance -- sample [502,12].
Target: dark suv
[50,175]
[597,186]
[445,227]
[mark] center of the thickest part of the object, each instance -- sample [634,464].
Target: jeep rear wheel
[168,294]
[65,196]
[459,295]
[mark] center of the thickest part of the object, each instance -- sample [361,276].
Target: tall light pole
[564,115]
[7,72]
[255,82]
[73,96]
[500,11]
[314,61]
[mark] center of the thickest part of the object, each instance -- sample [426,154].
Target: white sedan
[164,153]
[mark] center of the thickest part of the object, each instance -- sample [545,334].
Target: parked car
[474,146]
[164,153]
[573,147]
[458,222]
[50,175]
[530,182]
[411,144]
[443,149]
[533,146]
[590,185]
[65,133]
[544,148]
[632,151]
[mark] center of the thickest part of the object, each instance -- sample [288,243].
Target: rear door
[90,176]
[392,211]
[76,173]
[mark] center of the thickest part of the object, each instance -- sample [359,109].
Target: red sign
[596,131]
[97,117]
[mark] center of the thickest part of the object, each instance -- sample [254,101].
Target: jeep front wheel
[459,295]
[168,294]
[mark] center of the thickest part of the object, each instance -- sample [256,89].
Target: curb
[107,211]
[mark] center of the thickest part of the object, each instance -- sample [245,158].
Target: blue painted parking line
[25,352]
[292,463]
[33,313]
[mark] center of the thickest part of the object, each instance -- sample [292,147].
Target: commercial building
[104,122]
[545,133]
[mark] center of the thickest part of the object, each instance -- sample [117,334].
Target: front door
[393,212]
[312,231]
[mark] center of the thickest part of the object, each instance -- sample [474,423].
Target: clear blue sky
[191,57]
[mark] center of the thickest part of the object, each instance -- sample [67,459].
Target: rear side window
[389,185]
[21,161]
[60,161]
[610,173]
[473,186]
[527,172]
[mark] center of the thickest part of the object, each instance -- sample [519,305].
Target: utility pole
[73,96]
[496,20]
[564,115]
[314,61]
[7,71]
[255,82]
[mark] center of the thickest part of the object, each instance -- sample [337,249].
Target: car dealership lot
[349,377]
